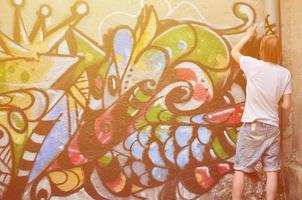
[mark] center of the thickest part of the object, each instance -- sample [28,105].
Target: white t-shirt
[266,83]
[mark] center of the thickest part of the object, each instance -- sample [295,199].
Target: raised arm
[250,33]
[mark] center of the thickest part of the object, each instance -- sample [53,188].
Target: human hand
[251,32]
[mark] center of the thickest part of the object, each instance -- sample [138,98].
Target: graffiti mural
[156,107]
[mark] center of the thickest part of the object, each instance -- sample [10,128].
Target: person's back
[266,84]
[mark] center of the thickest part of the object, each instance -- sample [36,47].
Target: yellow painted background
[106,14]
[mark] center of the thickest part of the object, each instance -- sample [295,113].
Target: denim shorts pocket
[273,131]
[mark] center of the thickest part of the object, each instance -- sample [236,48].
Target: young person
[268,88]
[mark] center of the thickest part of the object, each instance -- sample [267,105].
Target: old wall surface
[292,53]
[121,99]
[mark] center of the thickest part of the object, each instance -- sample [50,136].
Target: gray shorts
[258,141]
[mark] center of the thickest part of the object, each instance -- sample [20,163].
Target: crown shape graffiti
[40,58]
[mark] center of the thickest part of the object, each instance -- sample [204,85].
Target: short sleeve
[288,84]
[249,65]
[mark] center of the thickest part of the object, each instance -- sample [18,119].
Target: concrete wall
[291,28]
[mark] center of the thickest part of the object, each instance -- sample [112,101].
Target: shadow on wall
[157,108]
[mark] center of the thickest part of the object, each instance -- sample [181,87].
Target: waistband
[259,124]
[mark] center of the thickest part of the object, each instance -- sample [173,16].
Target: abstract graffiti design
[157,106]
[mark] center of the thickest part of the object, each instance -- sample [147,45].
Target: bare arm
[251,32]
[285,102]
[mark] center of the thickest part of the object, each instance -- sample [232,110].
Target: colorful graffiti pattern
[157,105]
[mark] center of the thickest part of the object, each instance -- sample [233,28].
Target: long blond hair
[270,49]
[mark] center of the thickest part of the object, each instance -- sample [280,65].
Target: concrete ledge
[293,181]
